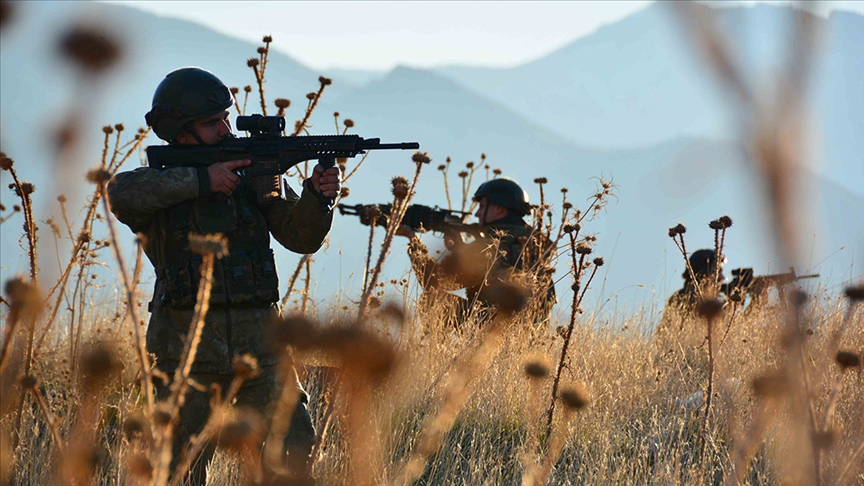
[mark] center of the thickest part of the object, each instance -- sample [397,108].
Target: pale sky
[381,35]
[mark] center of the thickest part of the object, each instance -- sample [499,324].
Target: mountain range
[628,103]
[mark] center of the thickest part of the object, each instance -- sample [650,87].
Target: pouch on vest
[239,278]
[267,281]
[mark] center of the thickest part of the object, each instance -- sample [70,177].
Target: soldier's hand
[327,182]
[406,231]
[222,177]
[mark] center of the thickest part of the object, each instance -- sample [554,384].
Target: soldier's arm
[136,196]
[298,223]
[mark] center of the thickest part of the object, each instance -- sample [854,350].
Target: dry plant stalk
[209,247]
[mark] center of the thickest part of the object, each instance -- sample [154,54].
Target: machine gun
[417,216]
[757,286]
[271,153]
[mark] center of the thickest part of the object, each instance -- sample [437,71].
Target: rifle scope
[258,125]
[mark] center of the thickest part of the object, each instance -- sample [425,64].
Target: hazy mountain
[638,82]
[683,179]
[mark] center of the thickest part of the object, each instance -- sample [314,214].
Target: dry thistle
[771,385]
[5,161]
[90,48]
[536,369]
[119,127]
[348,123]
[575,396]
[98,365]
[469,165]
[709,308]
[267,39]
[6,12]
[252,62]
[496,172]
[325,81]
[583,249]
[541,180]
[726,221]
[344,192]
[235,90]
[98,176]
[215,244]
[30,382]
[463,174]
[847,359]
[421,158]
[107,130]
[261,50]
[855,293]
[245,366]
[247,88]
[715,225]
[311,96]
[244,434]
[442,167]
[282,103]
[599,261]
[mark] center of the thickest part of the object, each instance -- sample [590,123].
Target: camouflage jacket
[507,248]
[164,207]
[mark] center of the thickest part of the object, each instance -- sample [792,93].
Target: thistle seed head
[583,249]
[247,88]
[726,221]
[496,172]
[348,123]
[599,261]
[252,62]
[541,180]
[344,192]
[848,359]
[235,90]
[680,228]
[282,103]
[421,158]
[325,81]
[311,96]
[119,127]
[855,293]
[5,161]
[536,369]
[214,244]
[261,50]
[575,396]
[463,174]
[98,176]
[709,308]
[267,39]
[770,386]
[107,130]
[715,225]
[90,48]
[245,366]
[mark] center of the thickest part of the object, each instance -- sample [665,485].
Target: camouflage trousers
[256,394]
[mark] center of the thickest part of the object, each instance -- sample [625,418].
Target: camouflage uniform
[164,206]
[475,264]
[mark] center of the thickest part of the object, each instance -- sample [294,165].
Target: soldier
[190,107]
[506,245]
[704,264]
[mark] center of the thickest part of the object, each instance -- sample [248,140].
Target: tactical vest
[246,276]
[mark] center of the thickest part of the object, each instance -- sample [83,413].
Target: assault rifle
[417,217]
[271,153]
[745,282]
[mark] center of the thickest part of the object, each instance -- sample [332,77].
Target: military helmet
[703,262]
[185,95]
[506,193]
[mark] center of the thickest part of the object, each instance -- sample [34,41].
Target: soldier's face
[211,130]
[489,213]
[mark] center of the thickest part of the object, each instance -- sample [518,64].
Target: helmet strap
[189,128]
